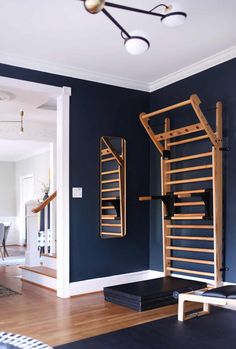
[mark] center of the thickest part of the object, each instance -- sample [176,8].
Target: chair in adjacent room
[6,232]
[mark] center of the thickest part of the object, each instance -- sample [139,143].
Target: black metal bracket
[116,204]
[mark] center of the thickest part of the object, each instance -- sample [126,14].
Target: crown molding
[113,80]
[193,69]
[71,71]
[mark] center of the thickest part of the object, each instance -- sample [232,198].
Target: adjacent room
[117,174]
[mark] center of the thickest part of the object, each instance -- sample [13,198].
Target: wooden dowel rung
[188,140]
[190,180]
[190,260]
[110,198]
[190,157]
[196,238]
[109,190]
[110,181]
[189,203]
[187,226]
[197,191]
[190,249]
[111,225]
[179,132]
[188,217]
[160,111]
[187,271]
[189,214]
[112,158]
[189,169]
[109,216]
[108,207]
[112,234]
[109,172]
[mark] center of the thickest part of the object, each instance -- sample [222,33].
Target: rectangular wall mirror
[112,187]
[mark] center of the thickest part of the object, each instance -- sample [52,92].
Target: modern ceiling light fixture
[21,122]
[134,42]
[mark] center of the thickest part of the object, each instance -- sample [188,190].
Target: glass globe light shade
[94,6]
[137,43]
[173,16]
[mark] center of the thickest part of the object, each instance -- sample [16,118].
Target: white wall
[7,189]
[38,166]
[8,198]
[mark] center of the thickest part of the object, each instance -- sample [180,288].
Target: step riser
[49,262]
[39,279]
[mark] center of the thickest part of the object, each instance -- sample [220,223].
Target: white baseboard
[96,285]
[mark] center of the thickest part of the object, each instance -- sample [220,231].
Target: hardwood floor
[38,313]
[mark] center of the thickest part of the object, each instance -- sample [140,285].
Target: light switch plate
[77,193]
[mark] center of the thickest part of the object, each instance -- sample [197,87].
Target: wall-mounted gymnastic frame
[112,187]
[172,199]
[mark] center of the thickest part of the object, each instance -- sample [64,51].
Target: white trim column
[63,216]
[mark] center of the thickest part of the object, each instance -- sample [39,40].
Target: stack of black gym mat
[150,294]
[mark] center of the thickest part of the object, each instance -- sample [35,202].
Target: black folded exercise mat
[150,294]
[214,331]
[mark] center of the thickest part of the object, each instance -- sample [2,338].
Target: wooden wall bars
[112,187]
[192,242]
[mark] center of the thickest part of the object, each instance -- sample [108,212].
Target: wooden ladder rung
[112,158]
[110,233]
[188,216]
[110,181]
[108,207]
[109,190]
[111,225]
[109,217]
[196,238]
[190,260]
[190,180]
[164,110]
[179,132]
[190,203]
[188,140]
[187,226]
[190,157]
[109,172]
[109,199]
[190,249]
[188,271]
[186,192]
[189,169]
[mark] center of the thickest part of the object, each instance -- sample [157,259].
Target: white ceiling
[61,37]
[15,150]
[29,101]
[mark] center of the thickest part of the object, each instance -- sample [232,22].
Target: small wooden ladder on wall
[177,232]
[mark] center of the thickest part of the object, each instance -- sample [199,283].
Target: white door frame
[63,228]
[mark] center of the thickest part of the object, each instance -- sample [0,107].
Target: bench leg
[181,311]
[206,308]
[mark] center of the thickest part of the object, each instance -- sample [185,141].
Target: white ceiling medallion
[6,96]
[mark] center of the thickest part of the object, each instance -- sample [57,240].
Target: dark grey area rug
[4,291]
[216,331]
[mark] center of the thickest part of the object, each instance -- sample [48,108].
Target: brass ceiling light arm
[21,121]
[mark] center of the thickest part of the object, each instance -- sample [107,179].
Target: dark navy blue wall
[97,110]
[218,83]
